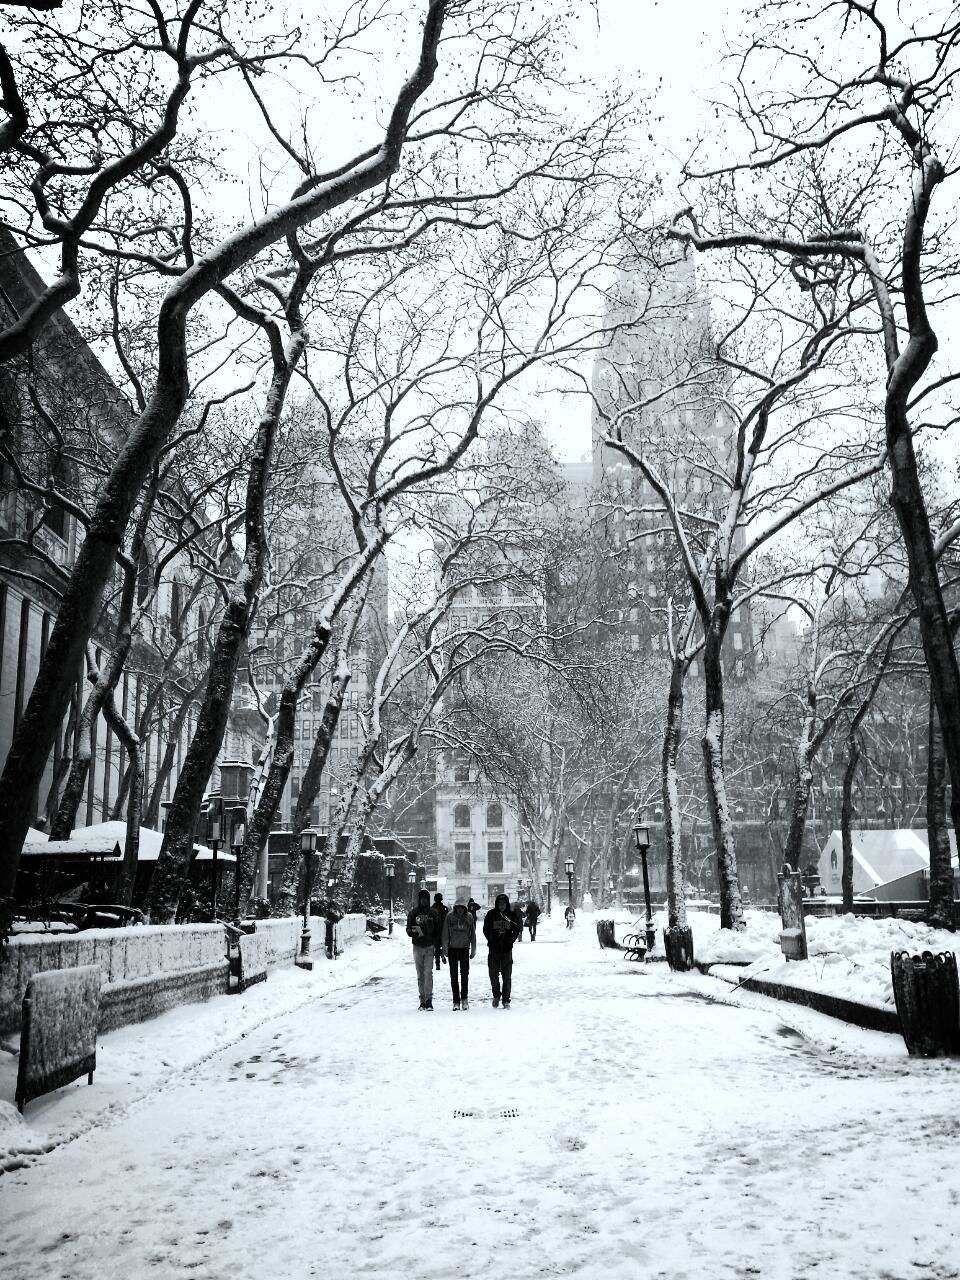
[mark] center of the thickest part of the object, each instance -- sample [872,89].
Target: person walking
[517,913]
[441,910]
[473,908]
[458,942]
[500,930]
[533,915]
[423,927]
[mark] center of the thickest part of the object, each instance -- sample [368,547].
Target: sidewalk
[138,1060]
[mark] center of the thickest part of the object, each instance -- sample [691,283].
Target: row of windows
[462,816]
[461,857]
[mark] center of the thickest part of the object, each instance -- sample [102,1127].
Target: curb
[870,1017]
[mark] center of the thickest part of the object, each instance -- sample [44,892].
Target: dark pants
[459,960]
[500,966]
[532,926]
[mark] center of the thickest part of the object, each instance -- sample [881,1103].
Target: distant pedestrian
[517,913]
[441,911]
[458,940]
[533,915]
[500,929]
[473,908]
[423,927]
[570,916]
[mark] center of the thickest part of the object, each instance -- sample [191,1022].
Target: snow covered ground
[624,1122]
[849,955]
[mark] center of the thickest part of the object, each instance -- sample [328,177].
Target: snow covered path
[660,1133]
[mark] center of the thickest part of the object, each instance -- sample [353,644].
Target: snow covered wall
[151,968]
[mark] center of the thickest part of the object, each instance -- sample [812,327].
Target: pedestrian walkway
[617,1121]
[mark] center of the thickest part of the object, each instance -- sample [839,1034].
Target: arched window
[461,816]
[833,860]
[494,815]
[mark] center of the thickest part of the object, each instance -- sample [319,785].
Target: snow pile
[849,955]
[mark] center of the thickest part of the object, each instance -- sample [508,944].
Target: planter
[678,945]
[927,996]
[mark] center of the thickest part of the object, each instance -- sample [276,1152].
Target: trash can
[678,946]
[927,997]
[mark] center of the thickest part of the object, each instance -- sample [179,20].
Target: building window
[494,815]
[495,856]
[461,817]
[737,640]
[493,892]
[833,860]
[461,767]
[464,893]
[461,855]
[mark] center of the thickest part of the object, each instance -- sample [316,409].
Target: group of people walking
[442,936]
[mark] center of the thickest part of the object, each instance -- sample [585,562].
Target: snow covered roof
[106,839]
[886,855]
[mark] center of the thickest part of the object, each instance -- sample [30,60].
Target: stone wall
[149,969]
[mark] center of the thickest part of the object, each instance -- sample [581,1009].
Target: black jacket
[501,930]
[533,911]
[428,922]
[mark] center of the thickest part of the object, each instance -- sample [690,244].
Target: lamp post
[641,838]
[411,882]
[388,872]
[548,881]
[519,888]
[308,843]
[236,843]
[568,867]
[214,836]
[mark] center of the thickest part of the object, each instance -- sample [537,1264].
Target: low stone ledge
[138,999]
[870,1017]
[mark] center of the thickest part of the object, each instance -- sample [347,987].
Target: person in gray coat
[458,944]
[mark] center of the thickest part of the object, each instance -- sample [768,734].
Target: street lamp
[308,843]
[239,836]
[411,882]
[641,838]
[388,872]
[548,881]
[519,888]
[214,836]
[568,867]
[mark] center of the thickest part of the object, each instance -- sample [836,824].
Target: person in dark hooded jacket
[500,929]
[423,927]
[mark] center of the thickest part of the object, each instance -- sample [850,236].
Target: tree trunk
[940,907]
[151,816]
[76,782]
[676,899]
[183,815]
[802,785]
[731,903]
[309,786]
[131,846]
[846,821]
[258,829]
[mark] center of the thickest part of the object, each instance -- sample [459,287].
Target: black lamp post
[641,838]
[308,844]
[388,872]
[568,867]
[214,836]
[519,888]
[411,882]
[236,843]
[548,881]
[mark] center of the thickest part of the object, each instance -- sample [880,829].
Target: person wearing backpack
[458,943]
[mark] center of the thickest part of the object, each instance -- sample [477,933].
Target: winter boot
[495,1002]
[429,1005]
[506,1004]
[465,1004]
[456,1006]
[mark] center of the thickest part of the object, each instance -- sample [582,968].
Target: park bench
[58,1035]
[633,947]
